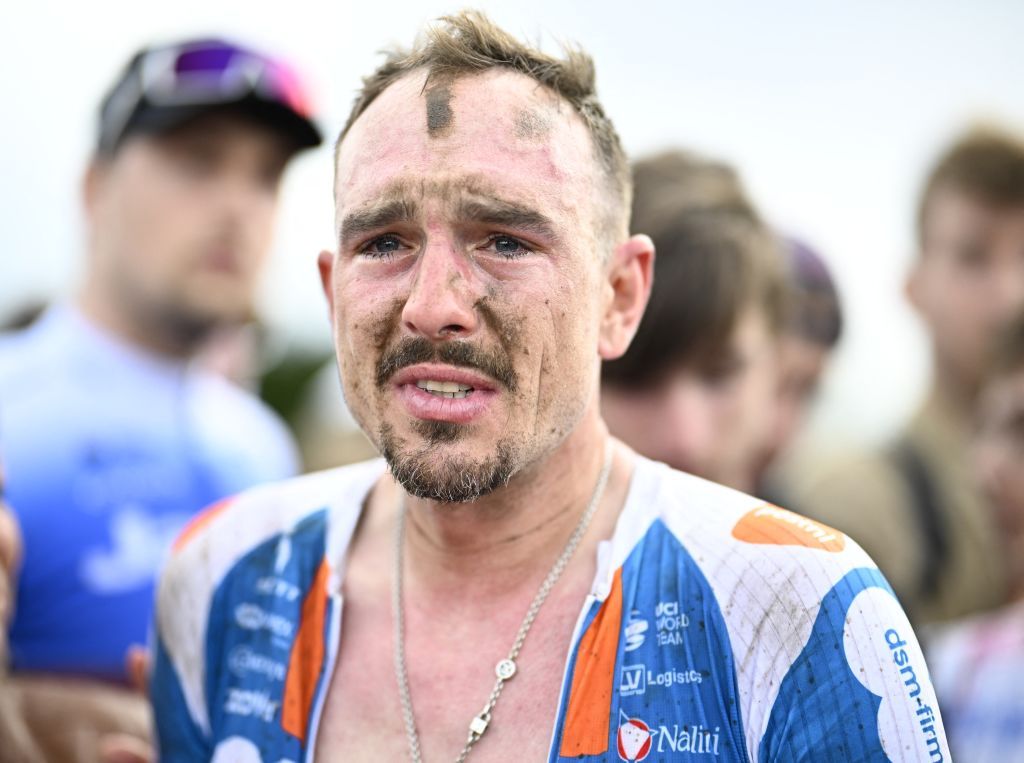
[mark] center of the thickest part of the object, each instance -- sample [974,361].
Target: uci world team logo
[633,738]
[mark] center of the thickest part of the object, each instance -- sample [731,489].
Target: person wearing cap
[810,333]
[113,436]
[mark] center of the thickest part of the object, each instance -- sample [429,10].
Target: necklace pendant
[505,669]
[478,726]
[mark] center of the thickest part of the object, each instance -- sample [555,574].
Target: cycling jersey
[979,670]
[718,627]
[109,451]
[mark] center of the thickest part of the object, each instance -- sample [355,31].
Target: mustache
[413,350]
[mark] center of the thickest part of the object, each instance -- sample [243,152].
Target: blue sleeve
[860,689]
[178,738]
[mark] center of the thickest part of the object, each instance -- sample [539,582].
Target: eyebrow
[376,217]
[468,201]
[492,211]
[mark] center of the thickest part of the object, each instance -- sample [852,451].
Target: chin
[435,468]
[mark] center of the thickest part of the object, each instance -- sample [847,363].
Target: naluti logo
[772,526]
[634,738]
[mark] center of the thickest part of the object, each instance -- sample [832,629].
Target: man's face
[969,280]
[708,418]
[999,450]
[182,222]
[468,287]
[800,367]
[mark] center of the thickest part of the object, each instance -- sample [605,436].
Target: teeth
[452,390]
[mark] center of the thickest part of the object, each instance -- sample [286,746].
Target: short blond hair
[470,43]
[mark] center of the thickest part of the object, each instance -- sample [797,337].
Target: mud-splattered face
[467,288]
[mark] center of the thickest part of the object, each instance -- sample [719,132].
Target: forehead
[953,209]
[222,130]
[496,128]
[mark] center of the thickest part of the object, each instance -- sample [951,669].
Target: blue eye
[381,247]
[508,247]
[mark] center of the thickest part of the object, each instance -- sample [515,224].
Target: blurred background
[832,111]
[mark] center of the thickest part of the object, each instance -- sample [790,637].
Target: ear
[913,286]
[92,185]
[325,264]
[627,290]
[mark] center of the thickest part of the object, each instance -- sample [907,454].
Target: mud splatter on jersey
[718,628]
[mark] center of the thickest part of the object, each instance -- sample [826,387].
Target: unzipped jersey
[717,628]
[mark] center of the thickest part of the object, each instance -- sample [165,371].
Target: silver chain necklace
[507,667]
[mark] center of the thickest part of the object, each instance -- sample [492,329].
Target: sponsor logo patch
[669,621]
[769,525]
[246,703]
[633,680]
[255,618]
[633,738]
[635,631]
[243,661]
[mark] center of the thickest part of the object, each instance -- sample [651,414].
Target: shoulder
[279,531]
[225,539]
[25,353]
[224,533]
[719,522]
[795,600]
[775,575]
[232,420]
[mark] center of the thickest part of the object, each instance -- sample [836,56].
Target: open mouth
[448,389]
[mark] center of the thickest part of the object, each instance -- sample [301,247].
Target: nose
[441,302]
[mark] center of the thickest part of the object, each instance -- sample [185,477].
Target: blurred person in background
[696,388]
[979,664]
[915,507]
[16,744]
[114,434]
[812,329]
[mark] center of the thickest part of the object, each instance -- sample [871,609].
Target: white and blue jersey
[108,452]
[718,628]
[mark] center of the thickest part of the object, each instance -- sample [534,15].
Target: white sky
[832,111]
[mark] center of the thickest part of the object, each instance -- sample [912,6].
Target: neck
[503,541]
[957,395]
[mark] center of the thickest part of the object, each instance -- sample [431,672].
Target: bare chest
[451,676]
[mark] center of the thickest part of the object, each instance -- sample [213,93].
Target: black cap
[164,87]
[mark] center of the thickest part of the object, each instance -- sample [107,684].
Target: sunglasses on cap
[165,86]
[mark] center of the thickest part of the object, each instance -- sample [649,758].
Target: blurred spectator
[16,744]
[999,451]
[914,507]
[696,387]
[978,666]
[810,334]
[114,434]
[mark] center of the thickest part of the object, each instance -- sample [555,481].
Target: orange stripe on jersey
[198,522]
[307,658]
[770,525]
[587,719]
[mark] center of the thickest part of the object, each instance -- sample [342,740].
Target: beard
[426,472]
